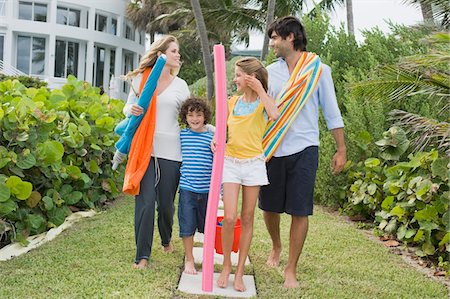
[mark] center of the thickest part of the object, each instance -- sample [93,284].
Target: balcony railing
[9,70]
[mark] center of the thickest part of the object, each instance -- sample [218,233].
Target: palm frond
[439,9]
[425,132]
[397,82]
[325,5]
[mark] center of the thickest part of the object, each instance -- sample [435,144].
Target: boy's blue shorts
[191,212]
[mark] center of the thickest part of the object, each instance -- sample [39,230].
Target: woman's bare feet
[189,268]
[142,264]
[168,248]
[290,280]
[239,283]
[222,281]
[273,260]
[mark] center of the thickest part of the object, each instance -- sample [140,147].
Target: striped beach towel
[291,99]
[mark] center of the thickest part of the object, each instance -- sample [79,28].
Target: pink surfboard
[217,169]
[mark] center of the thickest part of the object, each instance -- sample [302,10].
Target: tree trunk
[270,17]
[152,36]
[350,26]
[427,12]
[201,28]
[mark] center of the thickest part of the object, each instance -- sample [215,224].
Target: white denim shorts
[247,172]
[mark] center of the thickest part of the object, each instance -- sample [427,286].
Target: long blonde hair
[251,65]
[149,59]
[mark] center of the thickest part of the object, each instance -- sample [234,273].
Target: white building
[51,39]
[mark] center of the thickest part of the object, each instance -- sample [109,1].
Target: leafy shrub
[55,153]
[406,196]
[199,87]
[27,81]
[352,62]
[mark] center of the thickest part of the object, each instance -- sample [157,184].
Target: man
[292,169]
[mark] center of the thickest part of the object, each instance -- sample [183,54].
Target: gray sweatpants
[144,212]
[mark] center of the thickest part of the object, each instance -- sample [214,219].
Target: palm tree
[434,10]
[330,5]
[201,29]
[426,75]
[142,13]
[270,17]
[350,26]
[226,21]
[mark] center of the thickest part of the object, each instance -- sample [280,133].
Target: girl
[244,160]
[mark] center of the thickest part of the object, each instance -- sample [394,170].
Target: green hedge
[55,153]
[406,196]
[352,62]
[27,81]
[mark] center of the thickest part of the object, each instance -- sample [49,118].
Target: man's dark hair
[287,25]
[197,105]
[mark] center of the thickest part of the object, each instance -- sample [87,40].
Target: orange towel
[141,145]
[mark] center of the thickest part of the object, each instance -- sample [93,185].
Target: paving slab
[218,258]
[192,284]
[199,237]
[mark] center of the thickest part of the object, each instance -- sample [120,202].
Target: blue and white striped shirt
[197,157]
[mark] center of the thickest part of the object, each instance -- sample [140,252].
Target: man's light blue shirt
[304,131]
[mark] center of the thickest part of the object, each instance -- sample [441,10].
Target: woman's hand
[136,110]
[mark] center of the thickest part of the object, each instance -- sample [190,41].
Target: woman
[160,181]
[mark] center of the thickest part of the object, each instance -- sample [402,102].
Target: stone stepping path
[192,284]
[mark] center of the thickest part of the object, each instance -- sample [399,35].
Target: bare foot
[189,268]
[141,265]
[222,281]
[290,280]
[168,248]
[273,260]
[239,283]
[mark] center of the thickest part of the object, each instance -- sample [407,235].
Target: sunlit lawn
[93,260]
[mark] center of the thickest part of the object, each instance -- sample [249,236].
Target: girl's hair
[197,105]
[251,65]
[149,59]
[287,25]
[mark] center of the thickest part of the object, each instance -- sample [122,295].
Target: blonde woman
[244,160]
[160,181]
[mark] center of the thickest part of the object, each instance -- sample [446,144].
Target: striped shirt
[197,158]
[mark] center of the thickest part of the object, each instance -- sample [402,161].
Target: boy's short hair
[195,104]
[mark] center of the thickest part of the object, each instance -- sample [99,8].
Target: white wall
[87,38]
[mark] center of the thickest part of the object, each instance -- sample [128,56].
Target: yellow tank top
[245,132]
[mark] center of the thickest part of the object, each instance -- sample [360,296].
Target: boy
[195,172]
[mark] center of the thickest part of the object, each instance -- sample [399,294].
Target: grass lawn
[93,259]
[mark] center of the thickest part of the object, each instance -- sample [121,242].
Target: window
[3,8]
[112,63]
[31,54]
[127,67]
[129,32]
[99,66]
[68,16]
[2,43]
[66,59]
[100,23]
[113,26]
[142,38]
[32,11]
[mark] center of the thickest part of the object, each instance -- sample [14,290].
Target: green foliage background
[55,153]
